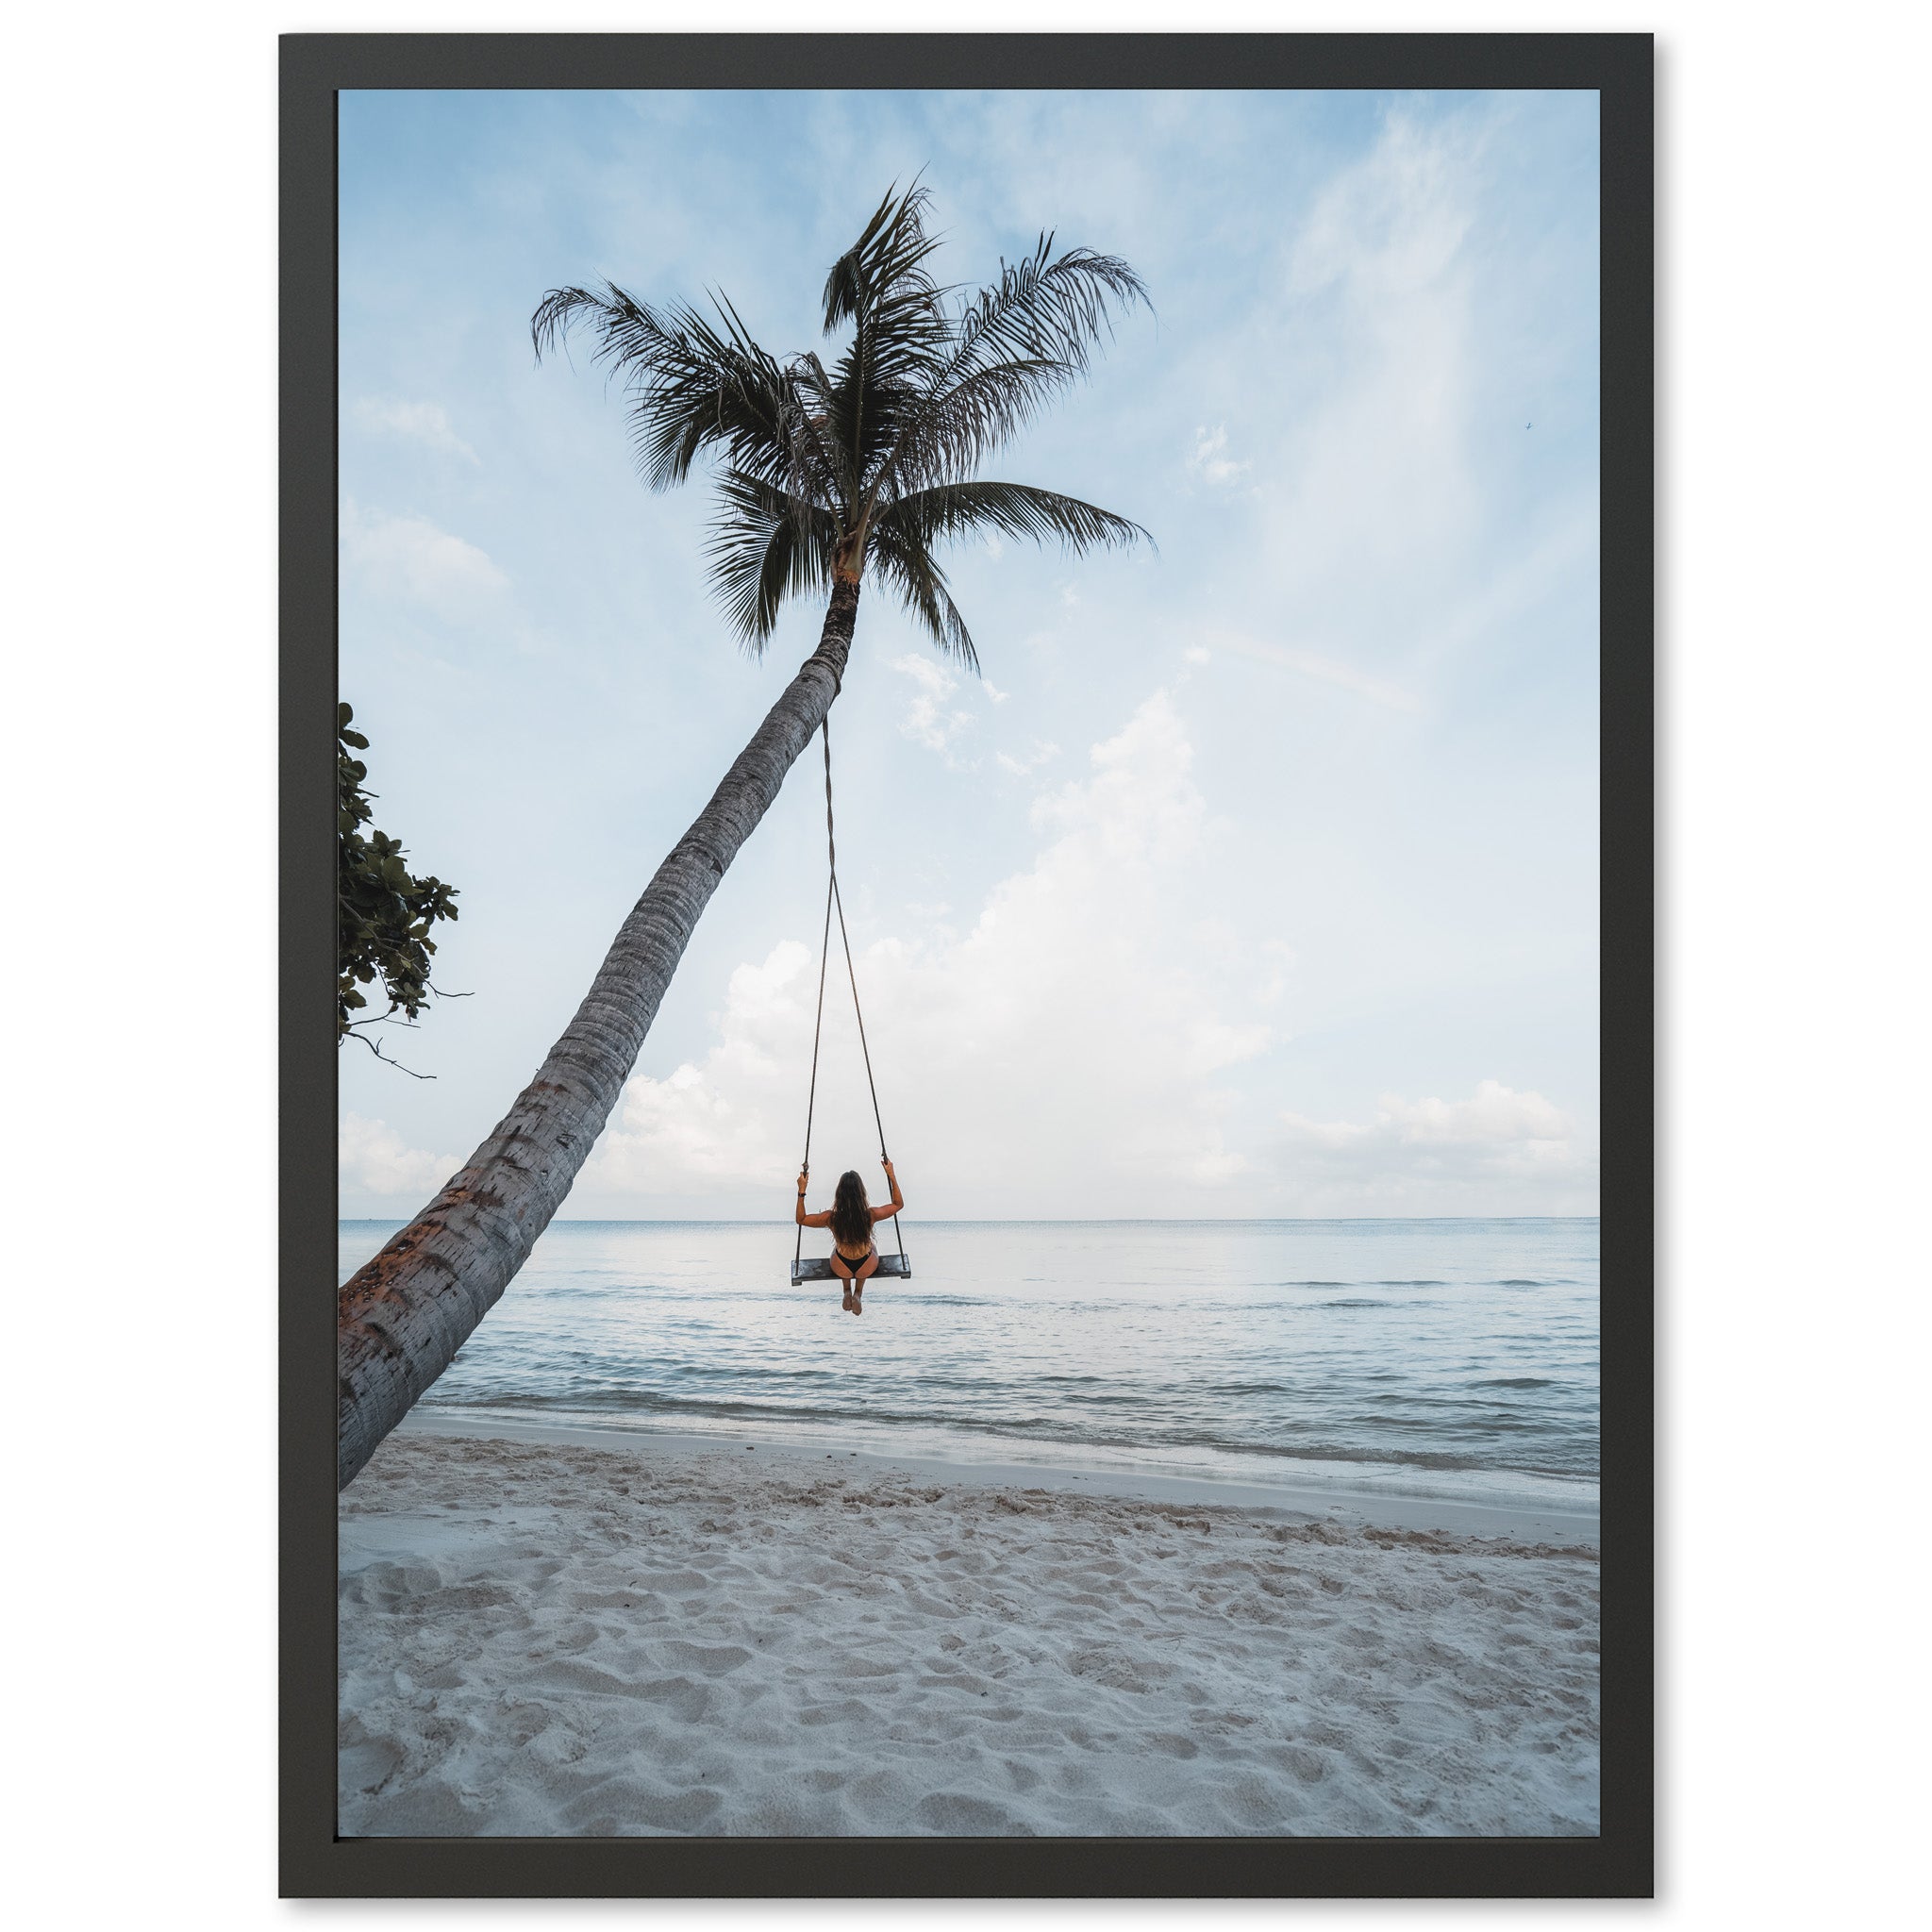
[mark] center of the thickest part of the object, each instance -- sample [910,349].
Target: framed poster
[1079,606]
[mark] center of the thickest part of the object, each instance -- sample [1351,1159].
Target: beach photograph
[968,964]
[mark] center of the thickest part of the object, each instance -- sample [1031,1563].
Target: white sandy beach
[655,1635]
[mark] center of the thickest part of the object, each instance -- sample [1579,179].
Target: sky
[1255,877]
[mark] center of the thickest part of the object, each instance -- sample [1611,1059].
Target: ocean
[1448,1359]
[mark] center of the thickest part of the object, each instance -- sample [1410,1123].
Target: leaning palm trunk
[401,1319]
[824,473]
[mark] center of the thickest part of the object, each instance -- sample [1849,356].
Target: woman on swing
[851,1218]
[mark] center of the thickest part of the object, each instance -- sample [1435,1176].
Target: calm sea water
[1437,1358]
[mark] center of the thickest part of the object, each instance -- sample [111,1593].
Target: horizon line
[1014,1219]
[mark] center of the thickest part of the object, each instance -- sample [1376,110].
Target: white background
[139,151]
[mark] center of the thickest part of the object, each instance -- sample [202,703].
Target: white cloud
[371,1156]
[1280,959]
[1195,655]
[738,1119]
[408,557]
[931,720]
[1388,227]
[1384,488]
[1500,1151]
[998,697]
[1210,460]
[1044,749]
[1063,1057]
[1498,1119]
[424,422]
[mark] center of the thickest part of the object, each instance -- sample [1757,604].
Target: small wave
[1516,1382]
[727,1372]
[1431,1283]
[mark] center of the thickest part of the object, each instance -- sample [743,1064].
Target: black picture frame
[314,1861]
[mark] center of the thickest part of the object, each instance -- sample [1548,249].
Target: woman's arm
[879,1214]
[803,1219]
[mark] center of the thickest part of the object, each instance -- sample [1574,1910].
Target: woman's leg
[866,1270]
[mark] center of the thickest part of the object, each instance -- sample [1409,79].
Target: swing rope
[835,902]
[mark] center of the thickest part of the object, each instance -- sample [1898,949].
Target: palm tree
[822,474]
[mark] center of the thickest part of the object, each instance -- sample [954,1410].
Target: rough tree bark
[401,1319]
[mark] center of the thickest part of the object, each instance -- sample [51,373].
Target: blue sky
[1258,875]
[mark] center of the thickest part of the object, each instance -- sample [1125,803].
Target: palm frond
[950,434]
[693,385]
[908,567]
[886,263]
[1052,308]
[1013,509]
[765,546]
[901,333]
[1019,343]
[821,417]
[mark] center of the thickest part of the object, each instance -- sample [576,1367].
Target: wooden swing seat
[818,1269]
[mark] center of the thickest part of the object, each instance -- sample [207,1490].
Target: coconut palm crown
[823,472]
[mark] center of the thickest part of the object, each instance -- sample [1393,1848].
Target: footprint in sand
[847,1711]
[620,1805]
[955,1812]
[710,1661]
[368,1766]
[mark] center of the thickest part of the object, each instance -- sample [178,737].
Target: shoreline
[1305,1501]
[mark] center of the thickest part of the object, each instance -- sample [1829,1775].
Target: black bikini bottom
[856,1265]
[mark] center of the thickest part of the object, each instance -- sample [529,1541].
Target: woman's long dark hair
[851,1215]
